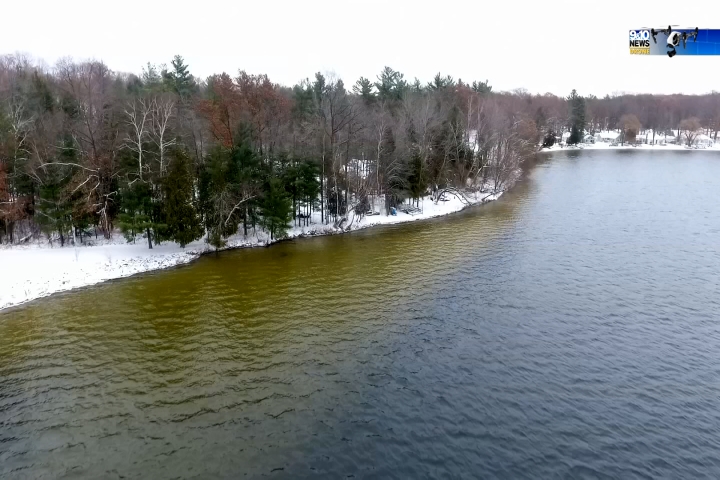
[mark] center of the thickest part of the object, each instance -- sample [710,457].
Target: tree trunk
[347,159]
[149,238]
[322,192]
[245,211]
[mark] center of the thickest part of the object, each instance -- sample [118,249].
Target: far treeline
[169,157]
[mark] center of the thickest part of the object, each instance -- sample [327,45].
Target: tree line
[681,116]
[165,156]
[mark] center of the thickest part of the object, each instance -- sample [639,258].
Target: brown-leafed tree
[222,109]
[629,128]
[690,129]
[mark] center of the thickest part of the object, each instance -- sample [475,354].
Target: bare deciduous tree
[161,112]
[137,113]
[690,128]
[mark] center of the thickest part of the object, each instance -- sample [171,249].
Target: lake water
[568,330]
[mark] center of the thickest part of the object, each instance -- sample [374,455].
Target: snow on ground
[606,146]
[38,269]
[703,142]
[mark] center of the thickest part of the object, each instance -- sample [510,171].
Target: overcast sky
[540,46]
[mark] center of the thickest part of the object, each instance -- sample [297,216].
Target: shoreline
[39,270]
[605,146]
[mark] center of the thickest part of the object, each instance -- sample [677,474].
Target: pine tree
[482,87]
[392,175]
[152,80]
[136,212]
[309,186]
[577,118]
[212,182]
[182,222]
[276,208]
[391,85]
[303,106]
[417,179]
[364,89]
[246,174]
[53,212]
[440,82]
[179,79]
[575,137]
[417,86]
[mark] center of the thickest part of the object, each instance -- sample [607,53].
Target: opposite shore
[38,270]
[606,146]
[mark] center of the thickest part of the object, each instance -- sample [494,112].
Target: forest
[163,155]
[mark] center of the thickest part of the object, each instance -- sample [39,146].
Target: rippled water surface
[570,330]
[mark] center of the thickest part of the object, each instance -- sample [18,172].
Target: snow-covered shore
[38,270]
[607,146]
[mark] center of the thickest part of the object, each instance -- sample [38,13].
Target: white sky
[511,43]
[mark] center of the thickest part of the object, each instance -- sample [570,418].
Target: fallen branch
[236,207]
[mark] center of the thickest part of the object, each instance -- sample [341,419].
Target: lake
[568,330]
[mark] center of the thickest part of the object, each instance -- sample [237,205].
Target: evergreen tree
[179,79]
[482,87]
[246,175]
[205,186]
[364,89]
[182,222]
[549,139]
[228,183]
[303,106]
[212,182]
[309,186]
[575,136]
[417,179]
[416,86]
[393,176]
[577,118]
[291,180]
[53,212]
[136,212]
[319,87]
[276,208]
[391,85]
[440,82]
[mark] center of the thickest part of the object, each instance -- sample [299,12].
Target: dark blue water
[570,330]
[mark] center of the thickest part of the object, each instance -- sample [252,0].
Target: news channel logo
[640,42]
[671,41]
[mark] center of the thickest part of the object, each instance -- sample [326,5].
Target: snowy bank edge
[592,146]
[164,261]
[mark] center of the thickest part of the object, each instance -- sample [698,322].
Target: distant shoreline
[605,146]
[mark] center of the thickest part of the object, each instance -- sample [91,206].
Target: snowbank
[606,146]
[32,271]
[604,138]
